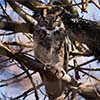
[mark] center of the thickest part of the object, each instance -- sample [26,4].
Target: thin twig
[5,12]
[90,69]
[95,3]
[53,6]
[15,77]
[89,75]
[87,62]
[14,81]
[18,44]
[31,80]
[27,92]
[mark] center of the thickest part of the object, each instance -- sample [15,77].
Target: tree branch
[31,4]
[15,26]
[22,13]
[90,90]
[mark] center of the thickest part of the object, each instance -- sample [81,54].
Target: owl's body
[49,38]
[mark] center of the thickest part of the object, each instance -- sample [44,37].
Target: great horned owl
[49,37]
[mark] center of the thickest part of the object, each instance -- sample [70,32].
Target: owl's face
[49,36]
[50,19]
[52,16]
[48,30]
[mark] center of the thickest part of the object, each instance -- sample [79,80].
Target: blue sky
[93,13]
[1,1]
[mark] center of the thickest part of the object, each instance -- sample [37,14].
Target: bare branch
[8,17]
[19,44]
[22,13]
[90,90]
[15,26]
[95,3]
[31,4]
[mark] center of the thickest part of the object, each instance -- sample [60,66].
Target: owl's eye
[42,33]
